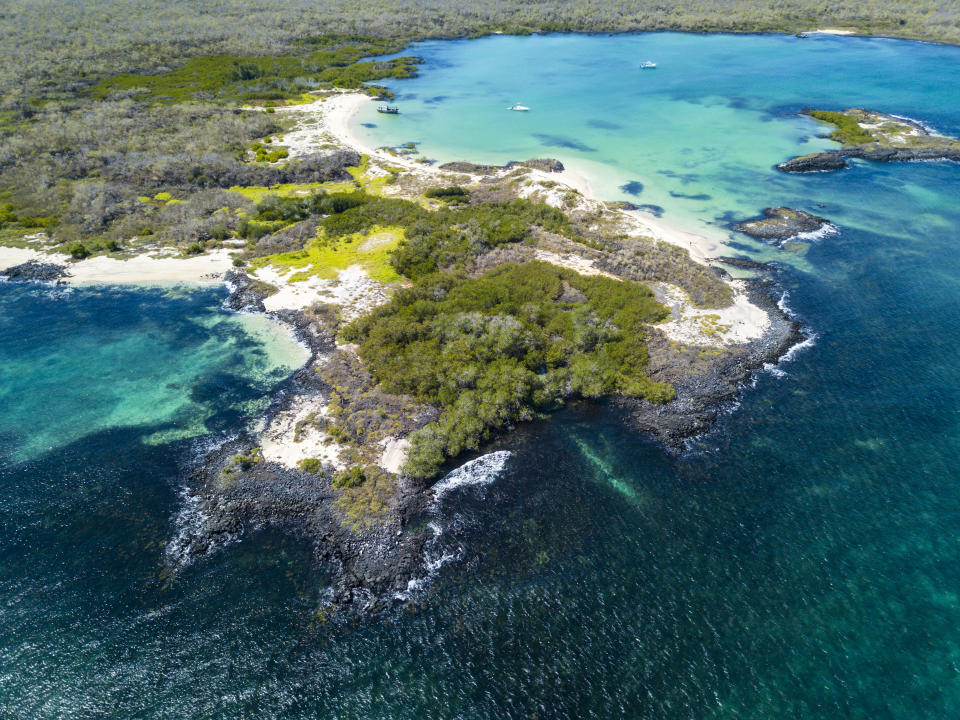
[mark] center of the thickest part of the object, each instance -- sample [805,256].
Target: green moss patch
[325,257]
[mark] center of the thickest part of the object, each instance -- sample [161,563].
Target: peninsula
[442,305]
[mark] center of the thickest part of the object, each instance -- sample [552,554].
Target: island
[875,136]
[783,223]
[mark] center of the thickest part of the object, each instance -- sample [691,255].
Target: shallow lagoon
[801,561]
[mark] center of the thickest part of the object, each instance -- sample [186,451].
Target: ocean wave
[827,230]
[480,471]
[807,342]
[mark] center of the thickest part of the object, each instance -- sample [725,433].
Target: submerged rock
[36,271]
[781,223]
[744,263]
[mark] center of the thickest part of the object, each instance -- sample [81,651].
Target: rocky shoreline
[870,135]
[704,388]
[372,566]
[36,271]
[831,160]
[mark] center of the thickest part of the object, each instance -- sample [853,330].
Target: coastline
[339,110]
[205,269]
[259,477]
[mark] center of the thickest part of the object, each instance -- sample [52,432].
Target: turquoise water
[697,136]
[801,561]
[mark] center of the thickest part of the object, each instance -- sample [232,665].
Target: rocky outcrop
[875,136]
[781,223]
[817,162]
[743,263]
[705,387]
[246,293]
[368,564]
[543,164]
[36,271]
[837,159]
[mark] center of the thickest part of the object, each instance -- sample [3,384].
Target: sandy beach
[337,112]
[326,122]
[739,323]
[205,269]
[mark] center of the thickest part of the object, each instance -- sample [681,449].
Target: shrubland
[495,349]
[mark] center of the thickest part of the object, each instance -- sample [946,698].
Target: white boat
[648,65]
[519,108]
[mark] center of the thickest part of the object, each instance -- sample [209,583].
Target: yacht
[388,109]
[648,65]
[519,108]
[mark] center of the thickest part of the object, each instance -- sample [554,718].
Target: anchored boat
[388,110]
[648,65]
[519,108]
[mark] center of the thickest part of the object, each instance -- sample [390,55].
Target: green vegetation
[264,154]
[495,349]
[241,463]
[324,256]
[310,465]
[453,194]
[353,476]
[232,79]
[848,130]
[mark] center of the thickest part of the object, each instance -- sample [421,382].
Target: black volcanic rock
[36,271]
[781,223]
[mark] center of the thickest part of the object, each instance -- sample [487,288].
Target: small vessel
[388,110]
[519,108]
[648,65]
[802,35]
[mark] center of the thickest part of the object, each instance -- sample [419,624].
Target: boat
[519,108]
[648,65]
[802,35]
[388,110]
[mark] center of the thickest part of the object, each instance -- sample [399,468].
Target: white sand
[582,265]
[140,270]
[740,323]
[394,454]
[278,443]
[353,290]
[831,31]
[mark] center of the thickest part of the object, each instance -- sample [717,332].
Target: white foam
[919,123]
[480,471]
[808,342]
[826,231]
[782,304]
[774,370]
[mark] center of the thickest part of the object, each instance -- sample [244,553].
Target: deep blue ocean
[800,561]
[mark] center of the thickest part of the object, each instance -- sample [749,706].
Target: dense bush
[230,79]
[491,350]
[848,130]
[351,477]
